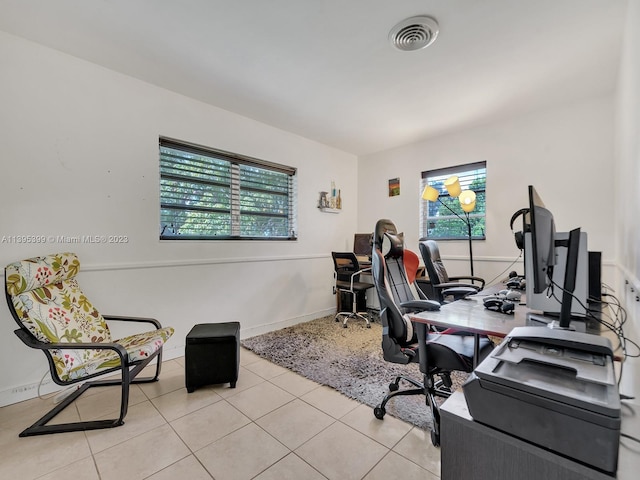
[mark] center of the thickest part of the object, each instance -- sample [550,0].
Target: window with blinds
[208,194]
[437,222]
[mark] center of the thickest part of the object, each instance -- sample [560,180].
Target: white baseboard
[270,327]
[20,393]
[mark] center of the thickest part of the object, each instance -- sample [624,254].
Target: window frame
[233,183]
[467,175]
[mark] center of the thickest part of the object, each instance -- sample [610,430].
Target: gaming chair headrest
[387,239]
[382,226]
[393,245]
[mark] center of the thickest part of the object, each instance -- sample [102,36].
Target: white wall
[565,152]
[627,172]
[80,157]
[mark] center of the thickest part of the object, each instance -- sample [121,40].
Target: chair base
[440,388]
[432,390]
[41,426]
[394,388]
[347,315]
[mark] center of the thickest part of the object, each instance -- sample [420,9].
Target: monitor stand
[538,319]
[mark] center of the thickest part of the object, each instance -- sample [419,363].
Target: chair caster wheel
[344,325]
[435,438]
[379,412]
[368,325]
[393,387]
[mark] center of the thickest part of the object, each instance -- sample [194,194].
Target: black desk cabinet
[473,451]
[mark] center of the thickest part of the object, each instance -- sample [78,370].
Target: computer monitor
[363,244]
[551,305]
[541,245]
[543,231]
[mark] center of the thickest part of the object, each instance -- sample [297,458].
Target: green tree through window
[438,222]
[211,194]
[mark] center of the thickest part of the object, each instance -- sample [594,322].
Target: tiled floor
[274,425]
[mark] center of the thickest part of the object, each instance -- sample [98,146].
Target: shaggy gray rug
[348,360]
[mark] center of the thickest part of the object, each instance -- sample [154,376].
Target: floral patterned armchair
[56,317]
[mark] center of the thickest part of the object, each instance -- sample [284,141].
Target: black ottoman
[212,354]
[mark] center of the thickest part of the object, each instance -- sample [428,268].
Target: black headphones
[519,236]
[498,303]
[516,281]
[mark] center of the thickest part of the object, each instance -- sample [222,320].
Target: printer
[553,388]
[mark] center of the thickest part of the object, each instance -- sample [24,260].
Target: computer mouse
[510,295]
[516,283]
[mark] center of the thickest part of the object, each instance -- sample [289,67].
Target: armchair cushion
[50,304]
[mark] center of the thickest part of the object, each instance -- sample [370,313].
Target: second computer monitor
[362,244]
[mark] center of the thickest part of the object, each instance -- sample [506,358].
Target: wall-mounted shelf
[329,210]
[330,204]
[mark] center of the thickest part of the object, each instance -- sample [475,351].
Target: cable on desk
[630,437]
[616,320]
[490,283]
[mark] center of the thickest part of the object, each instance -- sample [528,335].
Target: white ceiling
[324,69]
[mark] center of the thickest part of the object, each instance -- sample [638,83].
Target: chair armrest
[459,292]
[458,285]
[473,279]
[120,318]
[31,341]
[420,305]
[355,274]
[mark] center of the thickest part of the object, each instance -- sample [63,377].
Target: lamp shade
[430,193]
[467,200]
[469,207]
[453,186]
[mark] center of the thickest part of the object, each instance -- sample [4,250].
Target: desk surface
[470,315]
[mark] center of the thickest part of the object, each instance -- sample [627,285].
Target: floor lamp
[467,199]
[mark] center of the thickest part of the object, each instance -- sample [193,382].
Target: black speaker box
[595,275]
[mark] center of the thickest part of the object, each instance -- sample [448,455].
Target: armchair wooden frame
[56,318]
[129,371]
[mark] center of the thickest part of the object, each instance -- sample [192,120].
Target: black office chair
[439,354]
[444,287]
[347,284]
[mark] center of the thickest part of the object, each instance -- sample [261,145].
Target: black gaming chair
[444,287]
[439,353]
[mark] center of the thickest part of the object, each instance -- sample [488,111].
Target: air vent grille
[414,33]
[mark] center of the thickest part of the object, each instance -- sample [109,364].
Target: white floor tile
[242,455]
[274,425]
[342,453]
